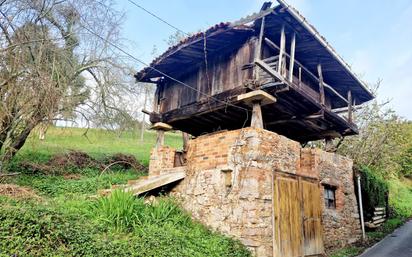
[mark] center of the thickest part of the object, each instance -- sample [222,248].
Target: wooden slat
[282,48]
[288,219]
[312,218]
[292,57]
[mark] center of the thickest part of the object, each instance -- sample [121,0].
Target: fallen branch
[117,162]
[9,174]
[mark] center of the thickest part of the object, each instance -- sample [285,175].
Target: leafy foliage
[374,190]
[42,229]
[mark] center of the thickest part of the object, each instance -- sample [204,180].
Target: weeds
[123,212]
[119,210]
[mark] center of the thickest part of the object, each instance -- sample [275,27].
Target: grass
[98,143]
[400,197]
[68,221]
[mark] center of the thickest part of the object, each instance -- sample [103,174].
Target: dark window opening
[329,196]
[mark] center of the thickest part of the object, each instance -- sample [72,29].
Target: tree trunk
[11,150]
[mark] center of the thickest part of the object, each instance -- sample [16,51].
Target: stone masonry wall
[229,182]
[341,225]
[161,158]
[228,185]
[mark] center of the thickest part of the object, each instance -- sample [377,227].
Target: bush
[374,191]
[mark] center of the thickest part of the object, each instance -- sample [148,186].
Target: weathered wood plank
[282,48]
[321,86]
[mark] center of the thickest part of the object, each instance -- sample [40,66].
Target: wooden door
[297,217]
[312,218]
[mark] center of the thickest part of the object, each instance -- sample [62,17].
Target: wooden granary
[263,85]
[202,80]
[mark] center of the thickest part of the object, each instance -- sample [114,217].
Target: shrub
[374,190]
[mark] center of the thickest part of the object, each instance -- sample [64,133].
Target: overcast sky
[374,37]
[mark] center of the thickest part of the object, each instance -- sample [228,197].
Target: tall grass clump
[164,211]
[122,211]
[119,210]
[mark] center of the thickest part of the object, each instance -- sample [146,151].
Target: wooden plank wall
[297,215]
[225,72]
[288,228]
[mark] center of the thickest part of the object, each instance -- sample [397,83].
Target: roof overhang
[311,49]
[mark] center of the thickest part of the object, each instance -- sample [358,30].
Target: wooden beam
[258,51]
[292,56]
[321,86]
[282,48]
[269,70]
[160,140]
[346,109]
[257,119]
[350,106]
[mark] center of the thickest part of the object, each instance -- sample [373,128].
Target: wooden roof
[311,49]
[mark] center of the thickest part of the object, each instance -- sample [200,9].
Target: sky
[373,37]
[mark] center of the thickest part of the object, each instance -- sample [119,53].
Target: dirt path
[396,244]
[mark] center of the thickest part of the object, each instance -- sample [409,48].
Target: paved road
[397,244]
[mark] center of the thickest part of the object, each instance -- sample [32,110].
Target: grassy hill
[55,213]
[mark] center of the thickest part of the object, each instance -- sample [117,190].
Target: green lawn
[64,218]
[98,142]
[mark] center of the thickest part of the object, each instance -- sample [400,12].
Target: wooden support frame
[282,49]
[258,52]
[272,45]
[270,70]
[257,99]
[321,86]
[350,109]
[257,119]
[160,127]
[292,57]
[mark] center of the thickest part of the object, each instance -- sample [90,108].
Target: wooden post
[257,119]
[321,86]
[350,106]
[361,207]
[142,128]
[185,137]
[258,51]
[282,48]
[300,75]
[292,57]
[161,127]
[160,138]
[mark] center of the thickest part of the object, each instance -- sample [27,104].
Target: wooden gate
[297,217]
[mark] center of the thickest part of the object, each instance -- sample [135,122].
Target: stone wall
[229,182]
[341,225]
[228,185]
[161,159]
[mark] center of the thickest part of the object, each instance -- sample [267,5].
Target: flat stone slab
[161,126]
[257,95]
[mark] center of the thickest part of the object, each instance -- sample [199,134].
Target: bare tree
[52,64]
